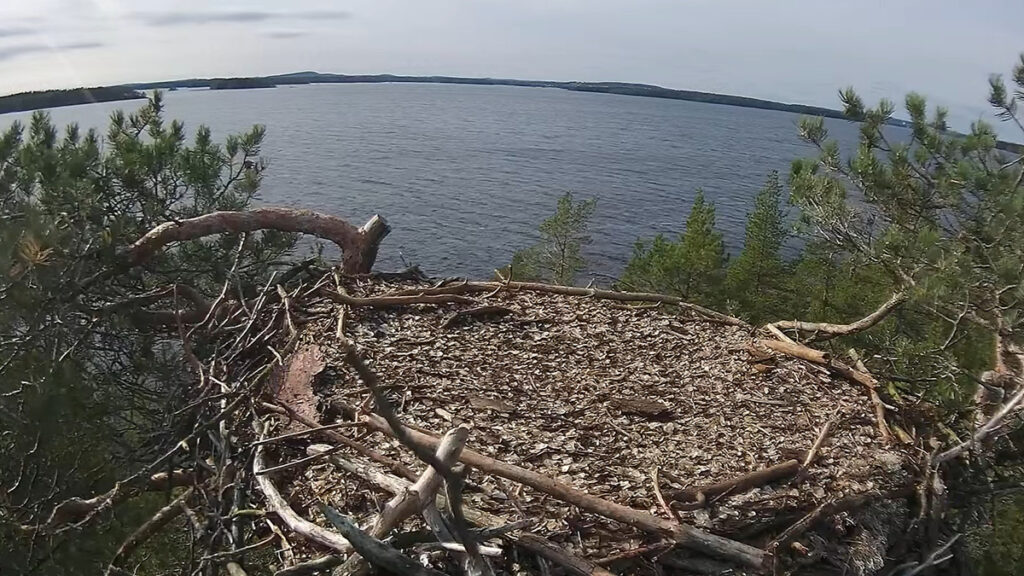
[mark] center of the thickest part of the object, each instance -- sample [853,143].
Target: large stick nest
[599,395]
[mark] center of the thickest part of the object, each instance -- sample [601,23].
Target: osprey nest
[391,424]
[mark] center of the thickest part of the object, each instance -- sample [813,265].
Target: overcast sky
[789,50]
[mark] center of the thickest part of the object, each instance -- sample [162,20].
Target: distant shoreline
[27,101]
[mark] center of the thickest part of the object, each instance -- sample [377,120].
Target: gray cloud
[12,31]
[10,52]
[285,34]
[79,45]
[160,19]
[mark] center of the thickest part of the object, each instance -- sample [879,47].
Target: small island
[239,83]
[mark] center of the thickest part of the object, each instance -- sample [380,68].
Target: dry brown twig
[818,442]
[661,498]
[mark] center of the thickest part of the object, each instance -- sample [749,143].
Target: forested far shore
[27,101]
[57,98]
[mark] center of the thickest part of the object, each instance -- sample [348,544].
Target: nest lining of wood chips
[598,395]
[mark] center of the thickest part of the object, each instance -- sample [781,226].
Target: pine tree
[85,392]
[701,252]
[690,268]
[755,279]
[558,257]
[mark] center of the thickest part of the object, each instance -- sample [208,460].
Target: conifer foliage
[558,257]
[690,267]
[86,389]
[757,277]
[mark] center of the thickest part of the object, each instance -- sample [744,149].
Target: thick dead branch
[358,245]
[532,542]
[350,239]
[798,351]
[393,465]
[876,400]
[818,442]
[681,533]
[553,553]
[378,553]
[415,498]
[393,301]
[823,359]
[297,524]
[826,331]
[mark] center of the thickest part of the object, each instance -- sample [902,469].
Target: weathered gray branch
[827,331]
[378,553]
[985,430]
[407,503]
[532,542]
[296,523]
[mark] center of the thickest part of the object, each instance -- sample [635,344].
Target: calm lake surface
[465,173]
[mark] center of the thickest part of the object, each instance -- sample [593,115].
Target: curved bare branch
[827,331]
[358,245]
[297,524]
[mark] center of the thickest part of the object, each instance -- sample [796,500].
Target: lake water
[465,173]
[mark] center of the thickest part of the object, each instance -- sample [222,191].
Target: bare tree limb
[358,245]
[984,430]
[735,485]
[415,498]
[876,400]
[150,527]
[296,523]
[492,288]
[826,331]
[532,542]
[76,509]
